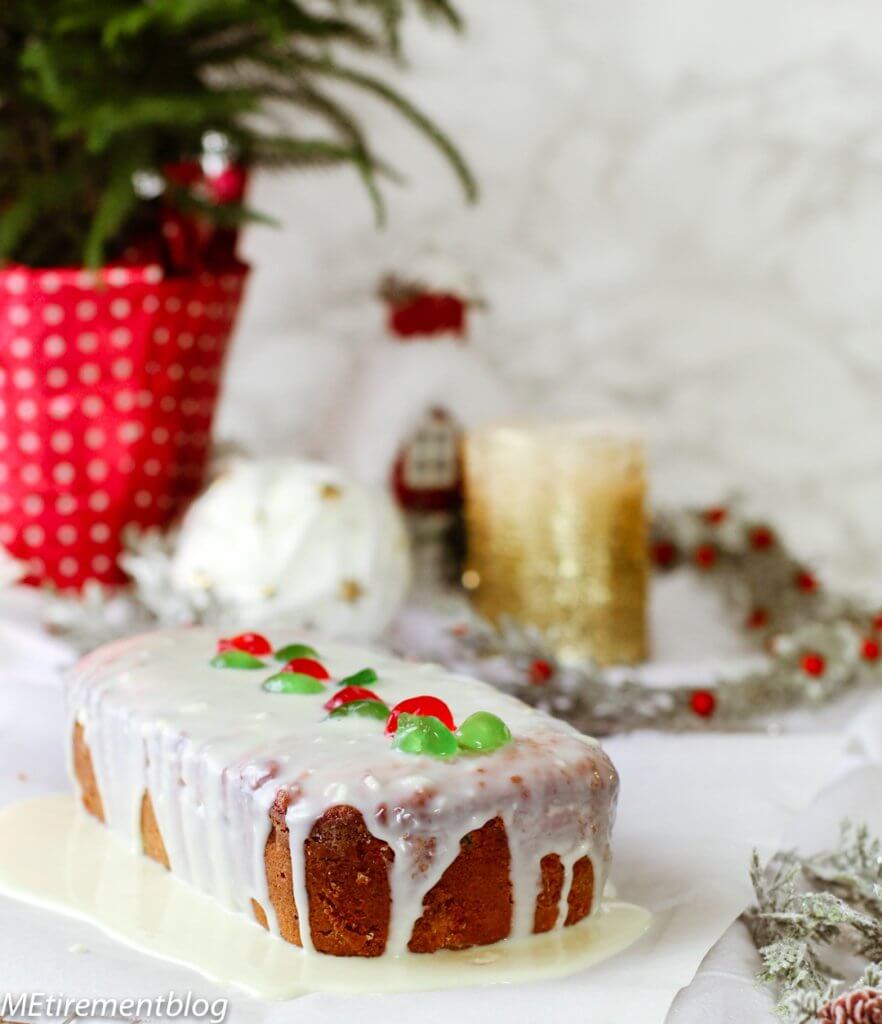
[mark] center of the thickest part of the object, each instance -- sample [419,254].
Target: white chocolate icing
[214,749]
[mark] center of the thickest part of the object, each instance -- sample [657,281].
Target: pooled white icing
[214,749]
[87,873]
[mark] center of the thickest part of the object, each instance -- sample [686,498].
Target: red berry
[877,621]
[761,538]
[350,693]
[664,553]
[870,649]
[540,672]
[251,643]
[716,515]
[813,664]
[705,556]
[307,667]
[757,619]
[806,582]
[424,705]
[703,703]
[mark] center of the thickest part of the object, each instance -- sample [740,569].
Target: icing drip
[214,750]
[192,929]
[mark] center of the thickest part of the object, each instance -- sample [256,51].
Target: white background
[681,219]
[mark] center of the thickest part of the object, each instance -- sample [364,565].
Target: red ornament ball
[228,186]
[307,667]
[348,694]
[424,705]
[703,703]
[540,672]
[716,515]
[813,664]
[705,556]
[870,649]
[761,538]
[806,582]
[251,643]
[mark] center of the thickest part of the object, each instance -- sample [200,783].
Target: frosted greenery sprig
[814,915]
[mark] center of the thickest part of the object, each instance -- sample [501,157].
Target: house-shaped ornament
[418,387]
[427,473]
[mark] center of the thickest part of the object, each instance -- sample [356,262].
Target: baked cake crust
[383,851]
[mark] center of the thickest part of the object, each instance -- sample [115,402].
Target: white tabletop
[692,808]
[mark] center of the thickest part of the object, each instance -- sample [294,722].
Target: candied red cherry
[307,667]
[425,705]
[350,693]
[251,643]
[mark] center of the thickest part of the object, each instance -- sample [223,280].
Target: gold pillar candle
[557,535]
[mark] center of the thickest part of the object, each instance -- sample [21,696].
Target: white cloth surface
[724,990]
[691,810]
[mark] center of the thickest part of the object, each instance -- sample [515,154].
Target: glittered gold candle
[556,524]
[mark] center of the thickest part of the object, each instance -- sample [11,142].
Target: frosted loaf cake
[351,803]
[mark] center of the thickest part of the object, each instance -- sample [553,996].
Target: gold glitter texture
[557,534]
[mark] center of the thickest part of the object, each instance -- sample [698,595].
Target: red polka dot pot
[108,385]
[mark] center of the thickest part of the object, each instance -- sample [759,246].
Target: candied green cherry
[234,658]
[364,677]
[424,734]
[293,682]
[362,709]
[483,733]
[291,651]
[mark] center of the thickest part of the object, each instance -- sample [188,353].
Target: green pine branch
[93,92]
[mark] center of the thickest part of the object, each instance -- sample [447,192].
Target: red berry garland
[775,596]
[703,703]
[251,643]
